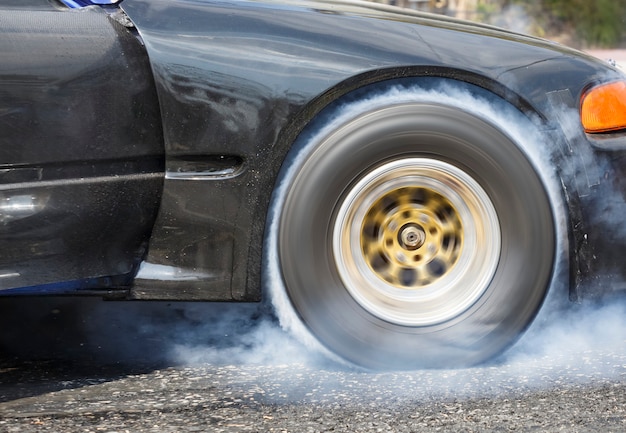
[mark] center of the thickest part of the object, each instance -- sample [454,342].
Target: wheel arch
[317,111]
[538,156]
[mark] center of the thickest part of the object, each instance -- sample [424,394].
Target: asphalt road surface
[72,365]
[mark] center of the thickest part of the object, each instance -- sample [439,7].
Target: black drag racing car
[406,188]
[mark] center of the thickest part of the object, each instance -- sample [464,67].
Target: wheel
[413,234]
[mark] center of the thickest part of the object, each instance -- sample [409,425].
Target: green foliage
[485,11]
[596,22]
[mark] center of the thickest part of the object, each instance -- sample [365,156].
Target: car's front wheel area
[413,233]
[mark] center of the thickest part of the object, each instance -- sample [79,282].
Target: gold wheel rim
[411,237]
[416,241]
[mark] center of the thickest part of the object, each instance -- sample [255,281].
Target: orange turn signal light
[603,108]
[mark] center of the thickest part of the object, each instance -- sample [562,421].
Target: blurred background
[582,24]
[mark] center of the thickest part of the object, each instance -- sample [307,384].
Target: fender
[237,82]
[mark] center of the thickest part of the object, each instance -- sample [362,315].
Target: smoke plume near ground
[581,344]
[585,338]
[577,344]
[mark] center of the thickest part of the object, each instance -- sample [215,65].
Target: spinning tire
[415,234]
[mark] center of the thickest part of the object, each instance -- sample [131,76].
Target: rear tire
[414,234]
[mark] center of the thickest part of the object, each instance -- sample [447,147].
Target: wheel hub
[416,241]
[411,236]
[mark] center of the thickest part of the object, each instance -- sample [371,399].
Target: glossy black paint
[245,77]
[81,149]
[192,111]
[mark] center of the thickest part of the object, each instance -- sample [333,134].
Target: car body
[171,150]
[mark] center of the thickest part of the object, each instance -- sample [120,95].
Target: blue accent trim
[63,288]
[75,4]
[72,3]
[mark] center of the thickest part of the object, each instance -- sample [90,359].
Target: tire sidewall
[329,165]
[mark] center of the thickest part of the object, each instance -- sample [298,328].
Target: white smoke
[266,344]
[585,341]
